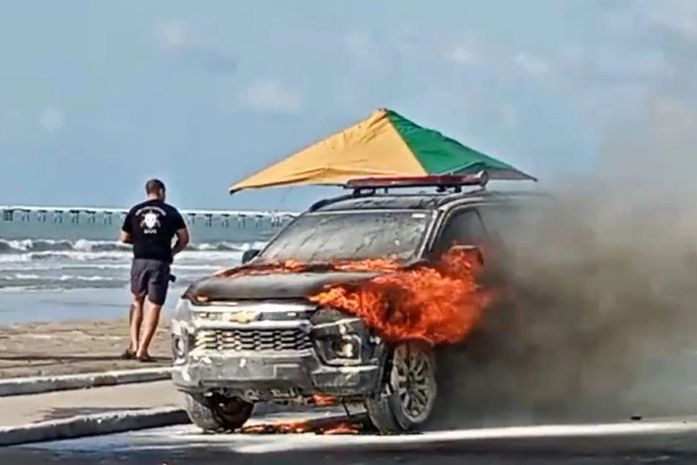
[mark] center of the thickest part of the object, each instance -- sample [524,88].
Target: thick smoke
[604,281]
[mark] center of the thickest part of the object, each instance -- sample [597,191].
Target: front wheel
[217,413]
[408,394]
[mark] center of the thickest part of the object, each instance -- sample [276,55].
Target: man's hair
[154,186]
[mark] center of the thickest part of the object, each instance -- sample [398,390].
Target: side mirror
[249,254]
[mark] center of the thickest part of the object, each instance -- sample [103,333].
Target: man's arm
[125,235]
[182,240]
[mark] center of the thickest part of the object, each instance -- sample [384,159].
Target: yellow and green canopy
[384,144]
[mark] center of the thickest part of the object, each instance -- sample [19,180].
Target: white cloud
[173,34]
[271,96]
[51,119]
[461,55]
[679,17]
[175,38]
[532,64]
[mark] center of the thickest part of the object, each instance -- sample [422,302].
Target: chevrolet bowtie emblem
[242,317]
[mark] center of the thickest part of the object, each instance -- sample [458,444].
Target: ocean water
[74,268]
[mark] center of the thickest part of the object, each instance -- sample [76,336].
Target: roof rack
[442,182]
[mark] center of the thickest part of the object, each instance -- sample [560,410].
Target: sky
[96,97]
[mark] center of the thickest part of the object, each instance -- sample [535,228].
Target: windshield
[324,237]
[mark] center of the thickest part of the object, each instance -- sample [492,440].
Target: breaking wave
[44,264]
[45,246]
[29,281]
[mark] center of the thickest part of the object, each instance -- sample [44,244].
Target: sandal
[146,359]
[128,355]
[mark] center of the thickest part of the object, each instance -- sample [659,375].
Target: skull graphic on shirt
[150,222]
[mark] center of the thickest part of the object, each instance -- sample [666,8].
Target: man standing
[150,226]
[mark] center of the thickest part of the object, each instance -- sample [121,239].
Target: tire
[408,394]
[217,413]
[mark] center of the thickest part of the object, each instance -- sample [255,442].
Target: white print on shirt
[150,223]
[151,219]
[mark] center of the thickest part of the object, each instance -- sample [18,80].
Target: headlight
[340,339]
[341,349]
[182,338]
[179,346]
[182,312]
[347,347]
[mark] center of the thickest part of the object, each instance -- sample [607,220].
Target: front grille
[250,339]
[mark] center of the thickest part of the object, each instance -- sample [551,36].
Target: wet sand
[39,349]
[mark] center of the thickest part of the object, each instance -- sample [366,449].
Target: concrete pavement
[78,413]
[19,410]
[41,384]
[656,441]
[113,409]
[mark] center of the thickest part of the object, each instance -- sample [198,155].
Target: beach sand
[67,347]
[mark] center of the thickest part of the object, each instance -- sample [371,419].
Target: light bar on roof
[441,180]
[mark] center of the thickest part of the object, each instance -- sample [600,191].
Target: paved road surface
[19,410]
[660,441]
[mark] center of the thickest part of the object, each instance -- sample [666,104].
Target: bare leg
[135,320]
[152,318]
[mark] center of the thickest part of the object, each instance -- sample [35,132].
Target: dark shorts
[150,278]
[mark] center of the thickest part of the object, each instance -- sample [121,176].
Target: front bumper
[212,356]
[269,376]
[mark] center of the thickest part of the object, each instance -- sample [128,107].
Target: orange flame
[291,427]
[324,400]
[438,304]
[344,427]
[301,427]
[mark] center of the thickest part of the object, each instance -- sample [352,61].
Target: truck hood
[274,286]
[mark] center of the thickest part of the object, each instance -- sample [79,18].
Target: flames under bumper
[278,360]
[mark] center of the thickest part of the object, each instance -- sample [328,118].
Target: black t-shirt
[152,225]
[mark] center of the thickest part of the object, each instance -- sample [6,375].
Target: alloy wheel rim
[414,384]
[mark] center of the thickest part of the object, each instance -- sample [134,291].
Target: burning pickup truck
[347,302]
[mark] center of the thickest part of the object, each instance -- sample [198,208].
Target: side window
[499,220]
[462,228]
[504,223]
